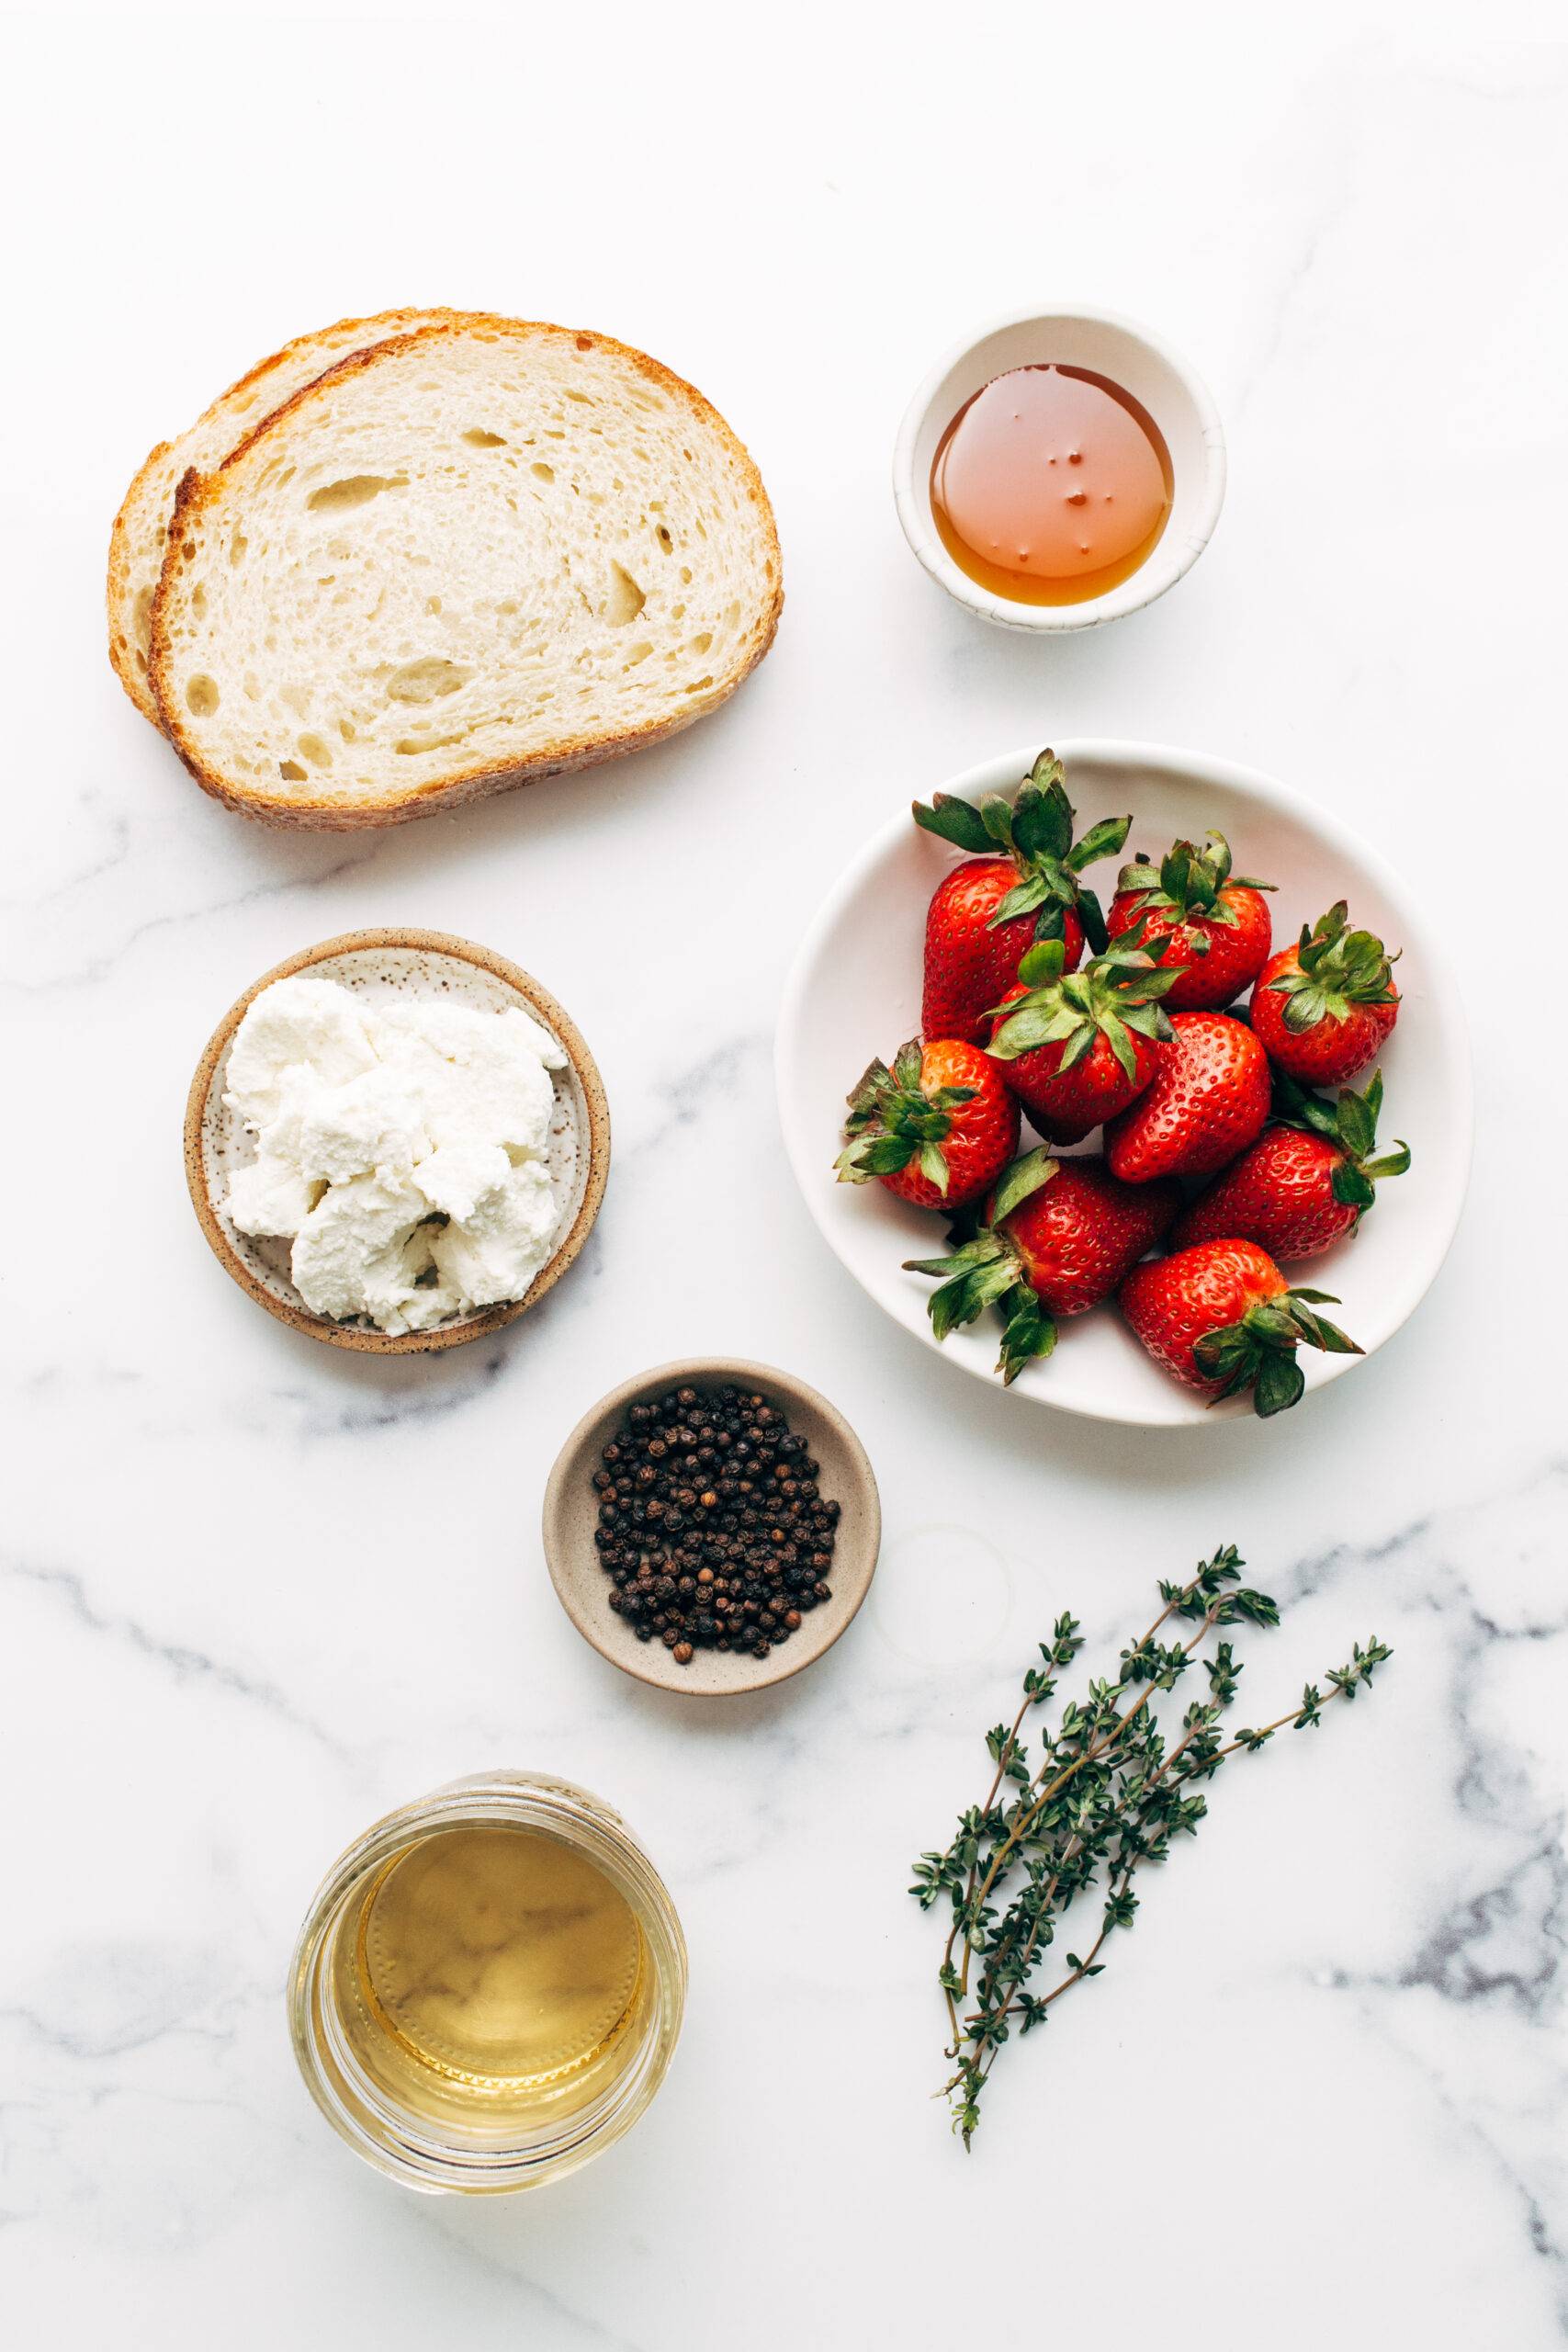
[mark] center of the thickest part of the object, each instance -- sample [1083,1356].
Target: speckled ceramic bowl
[388,964]
[572,1516]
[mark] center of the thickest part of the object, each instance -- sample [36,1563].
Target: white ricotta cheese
[399,1145]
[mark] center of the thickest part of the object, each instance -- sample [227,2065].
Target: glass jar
[489,1986]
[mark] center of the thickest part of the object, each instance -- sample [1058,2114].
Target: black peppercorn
[711,1527]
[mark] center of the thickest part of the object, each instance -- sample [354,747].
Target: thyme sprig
[1110,1792]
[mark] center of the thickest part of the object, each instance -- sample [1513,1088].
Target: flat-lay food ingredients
[473,554]
[1077,1047]
[401,1146]
[1324,1007]
[1021,883]
[1305,1183]
[938,1128]
[142,528]
[1206,1102]
[1112,1789]
[1060,1236]
[1221,1317]
[1051,485]
[1216,925]
[712,1526]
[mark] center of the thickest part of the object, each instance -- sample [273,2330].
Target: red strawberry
[1324,1007]
[1222,1319]
[1021,884]
[1305,1183]
[1207,1100]
[970,956]
[1077,1049]
[938,1128]
[1217,922]
[1061,1235]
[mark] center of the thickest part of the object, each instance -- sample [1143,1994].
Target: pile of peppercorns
[711,1523]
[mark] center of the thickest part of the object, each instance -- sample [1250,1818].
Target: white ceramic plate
[854,992]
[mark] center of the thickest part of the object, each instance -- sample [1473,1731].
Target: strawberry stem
[987,1271]
[1336,968]
[1114,993]
[1258,1351]
[1187,884]
[1035,830]
[894,1119]
[1350,1125]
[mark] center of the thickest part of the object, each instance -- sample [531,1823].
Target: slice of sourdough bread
[460,559]
[141,528]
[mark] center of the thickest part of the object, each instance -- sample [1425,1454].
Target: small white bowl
[1177,399]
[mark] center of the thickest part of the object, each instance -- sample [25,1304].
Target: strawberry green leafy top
[1035,830]
[1258,1351]
[894,1120]
[1114,993]
[1351,1124]
[1338,967]
[1186,884]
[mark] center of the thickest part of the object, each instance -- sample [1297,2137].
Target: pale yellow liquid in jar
[491,1976]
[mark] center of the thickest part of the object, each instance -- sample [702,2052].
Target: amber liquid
[1051,485]
[491,1976]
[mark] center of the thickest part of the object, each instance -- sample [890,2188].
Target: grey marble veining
[253,1592]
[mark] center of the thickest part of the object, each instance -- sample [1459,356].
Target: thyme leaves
[1107,1793]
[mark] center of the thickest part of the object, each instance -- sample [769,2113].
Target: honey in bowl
[1051,485]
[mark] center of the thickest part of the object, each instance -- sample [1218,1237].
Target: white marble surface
[255,1590]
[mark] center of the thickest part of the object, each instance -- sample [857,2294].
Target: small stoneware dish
[854,993]
[1176,398]
[384,964]
[571,1516]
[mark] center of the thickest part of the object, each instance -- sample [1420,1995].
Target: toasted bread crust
[119,593]
[328,811]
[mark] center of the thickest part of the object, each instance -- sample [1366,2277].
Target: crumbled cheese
[271,1196]
[457,1177]
[401,1147]
[309,1023]
[374,1121]
[495,1251]
[349,1255]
